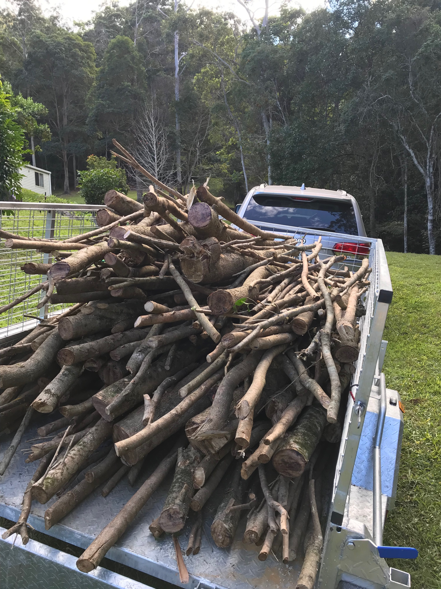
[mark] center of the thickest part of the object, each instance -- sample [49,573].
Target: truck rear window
[316,213]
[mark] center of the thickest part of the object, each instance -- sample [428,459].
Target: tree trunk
[66,187]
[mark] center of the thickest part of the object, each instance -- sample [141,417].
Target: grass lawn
[413,368]
[76,198]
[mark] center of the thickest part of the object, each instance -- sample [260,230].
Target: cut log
[106,217]
[297,447]
[35,268]
[224,526]
[78,261]
[72,286]
[60,474]
[48,399]
[177,504]
[112,371]
[222,302]
[72,498]
[94,554]
[81,352]
[36,366]
[302,322]
[121,203]
[202,496]
[204,271]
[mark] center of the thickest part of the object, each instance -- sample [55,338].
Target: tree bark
[302,322]
[202,496]
[35,268]
[78,261]
[96,348]
[36,366]
[224,526]
[58,476]
[205,271]
[121,203]
[68,501]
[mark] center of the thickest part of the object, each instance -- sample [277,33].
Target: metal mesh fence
[30,220]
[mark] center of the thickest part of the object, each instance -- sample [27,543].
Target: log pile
[227,349]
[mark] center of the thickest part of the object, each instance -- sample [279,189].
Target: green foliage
[27,112]
[11,147]
[31,196]
[96,182]
[95,162]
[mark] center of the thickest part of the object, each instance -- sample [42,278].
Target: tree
[60,70]
[11,147]
[118,96]
[27,112]
[152,144]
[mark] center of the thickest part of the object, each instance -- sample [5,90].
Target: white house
[36,179]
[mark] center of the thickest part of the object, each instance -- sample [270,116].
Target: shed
[36,179]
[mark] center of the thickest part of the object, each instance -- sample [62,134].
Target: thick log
[313,545]
[36,366]
[59,475]
[222,302]
[97,472]
[177,504]
[207,465]
[100,320]
[121,203]
[9,395]
[256,525]
[78,261]
[98,347]
[106,217]
[302,322]
[163,206]
[104,397]
[205,221]
[125,350]
[94,554]
[297,447]
[48,399]
[35,268]
[205,271]
[128,292]
[72,286]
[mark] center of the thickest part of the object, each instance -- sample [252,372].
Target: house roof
[37,169]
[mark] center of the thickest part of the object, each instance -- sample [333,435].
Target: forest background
[346,97]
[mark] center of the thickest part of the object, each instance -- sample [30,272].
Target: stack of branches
[243,339]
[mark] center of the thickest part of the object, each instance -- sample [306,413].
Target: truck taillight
[352,248]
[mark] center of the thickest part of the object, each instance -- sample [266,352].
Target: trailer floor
[236,568]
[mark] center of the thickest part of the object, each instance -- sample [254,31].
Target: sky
[82,10]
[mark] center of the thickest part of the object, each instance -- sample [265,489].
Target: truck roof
[298,190]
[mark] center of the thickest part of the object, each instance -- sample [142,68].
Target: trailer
[364,487]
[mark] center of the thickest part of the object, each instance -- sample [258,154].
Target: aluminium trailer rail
[352,555]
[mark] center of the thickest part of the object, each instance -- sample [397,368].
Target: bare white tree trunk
[152,146]
[405,204]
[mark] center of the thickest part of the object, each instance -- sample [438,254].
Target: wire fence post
[47,258]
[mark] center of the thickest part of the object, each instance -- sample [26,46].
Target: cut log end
[221,534]
[289,463]
[85,565]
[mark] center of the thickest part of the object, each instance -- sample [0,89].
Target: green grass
[413,368]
